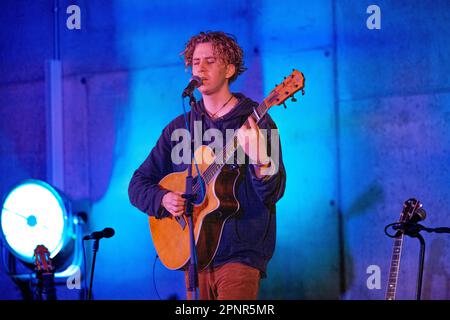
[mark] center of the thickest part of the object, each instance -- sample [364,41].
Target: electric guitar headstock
[412,211]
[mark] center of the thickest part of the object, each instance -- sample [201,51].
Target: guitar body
[171,235]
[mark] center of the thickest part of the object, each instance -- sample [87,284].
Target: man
[248,238]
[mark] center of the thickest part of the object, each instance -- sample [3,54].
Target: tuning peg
[284,104]
[303,92]
[293,99]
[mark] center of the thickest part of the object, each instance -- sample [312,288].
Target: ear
[231,70]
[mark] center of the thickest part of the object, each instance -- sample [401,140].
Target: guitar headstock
[42,259]
[412,211]
[285,90]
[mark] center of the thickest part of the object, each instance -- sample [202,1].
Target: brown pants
[231,281]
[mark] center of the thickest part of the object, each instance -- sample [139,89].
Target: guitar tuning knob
[303,92]
[293,99]
[284,104]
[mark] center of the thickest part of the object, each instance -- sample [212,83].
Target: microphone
[195,82]
[97,235]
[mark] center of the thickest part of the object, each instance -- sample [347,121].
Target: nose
[202,65]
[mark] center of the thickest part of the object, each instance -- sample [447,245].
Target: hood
[243,108]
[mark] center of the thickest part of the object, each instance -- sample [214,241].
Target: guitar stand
[415,234]
[413,230]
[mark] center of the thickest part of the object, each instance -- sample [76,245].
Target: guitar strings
[215,167]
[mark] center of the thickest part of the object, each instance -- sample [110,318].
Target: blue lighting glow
[33,213]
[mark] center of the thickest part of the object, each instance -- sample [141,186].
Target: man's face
[210,68]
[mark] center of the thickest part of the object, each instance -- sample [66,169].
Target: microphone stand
[95,247]
[190,198]
[413,229]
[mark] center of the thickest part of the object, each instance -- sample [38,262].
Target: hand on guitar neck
[254,145]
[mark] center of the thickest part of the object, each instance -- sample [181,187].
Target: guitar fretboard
[394,269]
[229,150]
[283,91]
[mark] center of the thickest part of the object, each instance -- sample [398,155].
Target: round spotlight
[34,213]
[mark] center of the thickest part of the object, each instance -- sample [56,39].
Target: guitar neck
[232,145]
[286,89]
[395,267]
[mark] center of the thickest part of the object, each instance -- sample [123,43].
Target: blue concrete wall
[394,141]
[370,132]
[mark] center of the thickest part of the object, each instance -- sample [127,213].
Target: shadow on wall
[361,206]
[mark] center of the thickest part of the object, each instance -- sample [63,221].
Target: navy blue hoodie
[249,236]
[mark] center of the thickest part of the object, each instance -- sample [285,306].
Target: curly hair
[224,45]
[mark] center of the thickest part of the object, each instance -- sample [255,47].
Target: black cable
[391,225]
[411,228]
[154,281]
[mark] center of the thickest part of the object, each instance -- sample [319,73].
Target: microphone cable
[396,224]
[154,279]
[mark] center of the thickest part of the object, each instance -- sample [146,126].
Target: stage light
[34,213]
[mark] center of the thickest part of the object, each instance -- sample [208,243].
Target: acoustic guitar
[214,187]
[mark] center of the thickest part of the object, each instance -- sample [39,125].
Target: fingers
[248,134]
[252,123]
[176,213]
[177,201]
[253,142]
[174,203]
